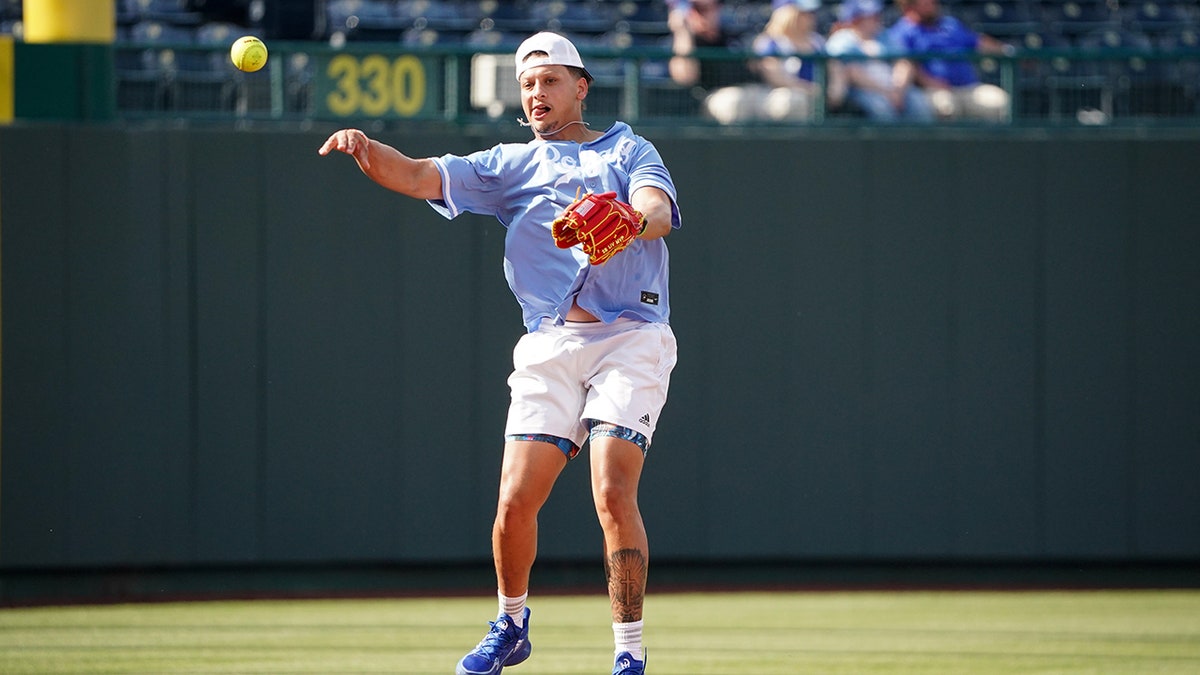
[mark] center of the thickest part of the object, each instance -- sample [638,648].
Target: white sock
[628,638]
[514,607]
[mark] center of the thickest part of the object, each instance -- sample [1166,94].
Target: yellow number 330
[373,86]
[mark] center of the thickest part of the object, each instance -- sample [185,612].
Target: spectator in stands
[789,36]
[954,86]
[869,81]
[696,24]
[783,87]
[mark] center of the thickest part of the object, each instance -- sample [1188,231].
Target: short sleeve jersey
[947,36]
[527,185]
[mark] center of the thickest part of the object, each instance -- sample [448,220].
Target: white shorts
[616,373]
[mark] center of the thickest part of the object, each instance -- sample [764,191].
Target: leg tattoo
[626,573]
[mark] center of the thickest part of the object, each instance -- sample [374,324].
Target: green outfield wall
[220,348]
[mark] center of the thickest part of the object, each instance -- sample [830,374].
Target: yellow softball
[248,53]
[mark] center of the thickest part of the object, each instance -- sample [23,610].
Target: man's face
[927,11]
[704,19]
[551,97]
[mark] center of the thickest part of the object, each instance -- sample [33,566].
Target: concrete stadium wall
[219,347]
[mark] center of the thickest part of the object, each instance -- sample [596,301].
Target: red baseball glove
[603,225]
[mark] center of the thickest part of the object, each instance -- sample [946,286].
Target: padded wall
[219,347]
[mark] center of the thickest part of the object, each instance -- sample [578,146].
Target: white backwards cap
[560,50]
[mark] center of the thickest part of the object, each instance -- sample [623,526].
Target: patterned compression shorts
[595,428]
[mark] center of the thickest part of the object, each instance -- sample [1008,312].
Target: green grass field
[687,634]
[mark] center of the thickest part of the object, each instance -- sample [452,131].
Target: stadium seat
[205,80]
[445,15]
[145,67]
[428,37]
[574,17]
[1114,38]
[1032,100]
[378,9]
[1065,84]
[512,17]
[487,39]
[999,18]
[367,20]
[348,14]
[1179,72]
[1150,16]
[11,18]
[643,40]
[298,78]
[617,39]
[168,11]
[1183,40]
[218,33]
[1042,39]
[645,17]
[1076,17]
[338,15]
[161,33]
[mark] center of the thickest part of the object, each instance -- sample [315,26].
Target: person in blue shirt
[595,362]
[869,76]
[784,88]
[954,87]
[784,46]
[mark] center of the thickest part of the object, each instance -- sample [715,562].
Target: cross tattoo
[626,573]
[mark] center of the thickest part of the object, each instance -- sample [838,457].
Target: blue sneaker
[627,665]
[504,645]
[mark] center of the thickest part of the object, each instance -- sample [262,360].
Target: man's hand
[352,142]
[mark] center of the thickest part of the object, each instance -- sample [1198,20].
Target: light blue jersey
[527,185]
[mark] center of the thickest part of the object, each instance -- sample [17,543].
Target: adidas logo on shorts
[645,419]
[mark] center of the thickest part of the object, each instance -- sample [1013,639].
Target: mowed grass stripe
[687,634]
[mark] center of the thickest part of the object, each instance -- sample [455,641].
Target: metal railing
[388,82]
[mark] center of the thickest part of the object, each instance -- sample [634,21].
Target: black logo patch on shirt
[649,298]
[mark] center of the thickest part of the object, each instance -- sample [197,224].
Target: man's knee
[616,503]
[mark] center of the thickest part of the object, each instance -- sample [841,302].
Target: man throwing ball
[586,212]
